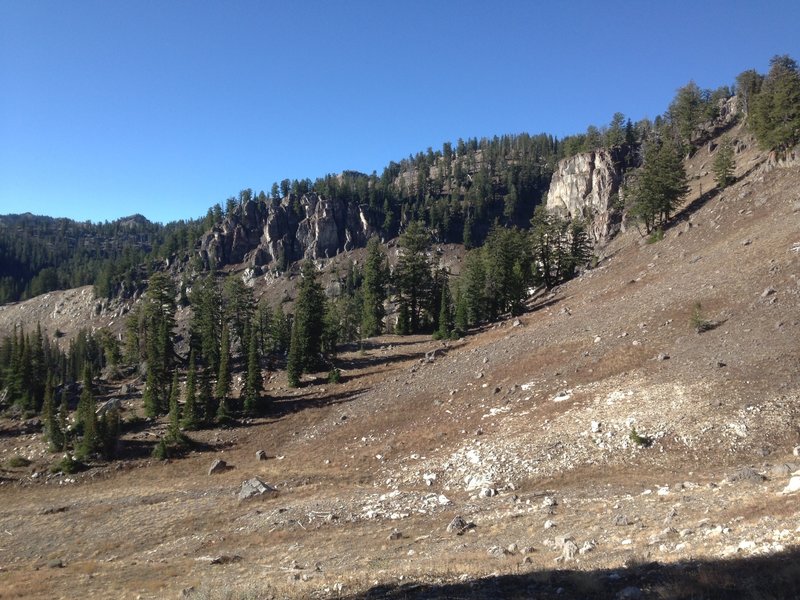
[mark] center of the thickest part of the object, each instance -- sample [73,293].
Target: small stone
[568,550]
[218,466]
[512,548]
[549,524]
[793,485]
[768,292]
[549,501]
[587,547]
[487,493]
[458,525]
[746,242]
[796,451]
[55,564]
[516,323]
[621,520]
[596,426]
[662,356]
[395,535]
[261,455]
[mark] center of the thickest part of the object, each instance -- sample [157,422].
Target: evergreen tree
[413,273]
[775,114]
[254,383]
[224,374]
[724,163]
[63,423]
[205,399]
[655,188]
[174,433]
[445,313]
[53,431]
[686,110]
[108,434]
[150,395]
[374,289]
[308,325]
[461,323]
[239,308]
[87,415]
[191,411]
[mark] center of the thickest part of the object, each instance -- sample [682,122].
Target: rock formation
[279,232]
[586,186]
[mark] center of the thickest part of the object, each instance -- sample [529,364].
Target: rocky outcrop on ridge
[586,186]
[278,232]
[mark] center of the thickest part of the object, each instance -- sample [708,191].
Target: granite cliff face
[278,232]
[586,186]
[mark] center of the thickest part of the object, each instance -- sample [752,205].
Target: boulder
[255,488]
[218,466]
[458,525]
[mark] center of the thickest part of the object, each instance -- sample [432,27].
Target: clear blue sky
[111,107]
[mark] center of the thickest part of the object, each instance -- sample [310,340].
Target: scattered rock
[768,292]
[587,547]
[218,466]
[745,474]
[429,478]
[487,493]
[596,425]
[458,525]
[255,487]
[395,535]
[55,564]
[549,524]
[549,501]
[621,520]
[662,356]
[794,484]
[516,323]
[261,455]
[568,550]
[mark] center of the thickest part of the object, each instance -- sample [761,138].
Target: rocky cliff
[279,232]
[586,186]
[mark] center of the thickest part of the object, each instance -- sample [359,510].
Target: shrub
[334,375]
[656,236]
[16,462]
[698,320]
[67,465]
[639,440]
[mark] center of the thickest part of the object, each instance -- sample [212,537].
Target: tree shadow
[282,406]
[773,576]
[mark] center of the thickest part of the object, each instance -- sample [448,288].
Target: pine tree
[374,289]
[308,326]
[254,381]
[724,163]
[63,423]
[775,114]
[191,410]
[87,415]
[294,362]
[150,394]
[445,313]
[108,433]
[53,432]
[174,411]
[461,323]
[224,373]
[205,399]
[413,273]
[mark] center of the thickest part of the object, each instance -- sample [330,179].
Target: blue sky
[109,108]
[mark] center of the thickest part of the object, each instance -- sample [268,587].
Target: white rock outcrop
[586,186]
